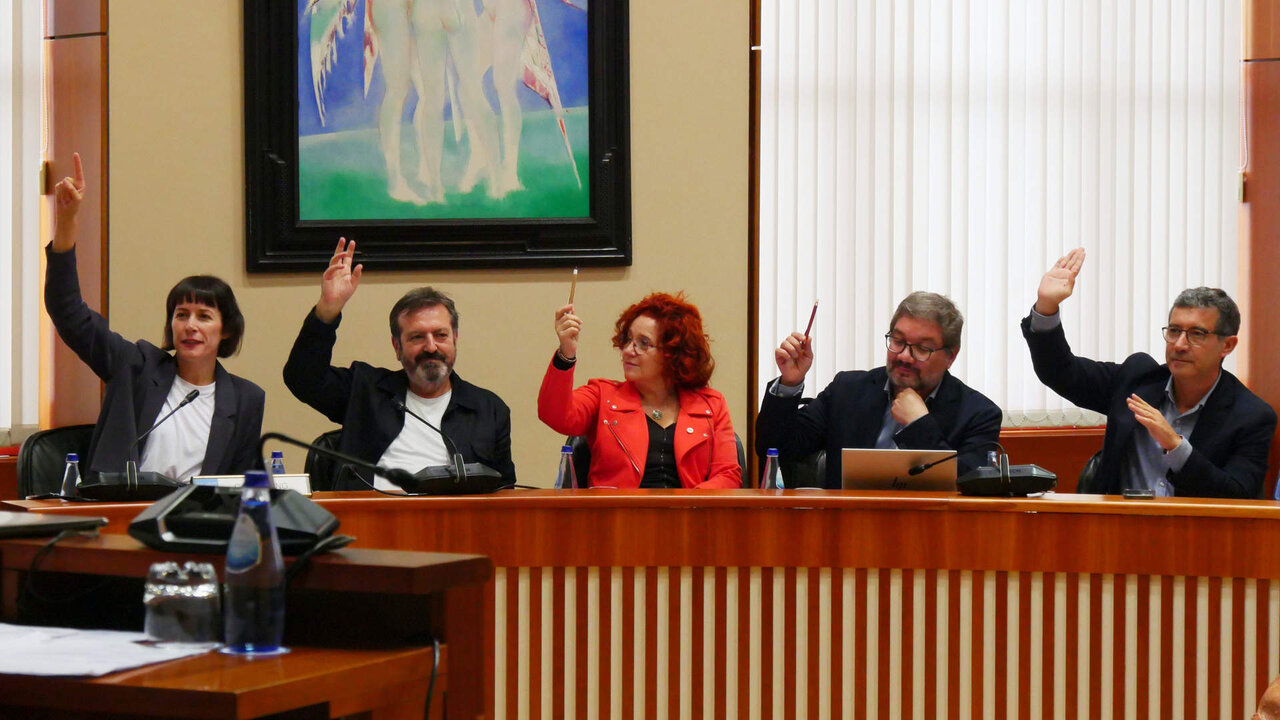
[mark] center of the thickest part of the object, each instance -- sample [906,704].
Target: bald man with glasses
[912,402]
[1186,428]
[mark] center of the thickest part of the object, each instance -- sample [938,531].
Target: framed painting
[437,133]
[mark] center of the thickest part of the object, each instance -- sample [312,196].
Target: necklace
[656,413]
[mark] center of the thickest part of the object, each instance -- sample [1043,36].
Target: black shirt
[660,464]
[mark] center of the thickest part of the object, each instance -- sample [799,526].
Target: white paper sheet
[32,650]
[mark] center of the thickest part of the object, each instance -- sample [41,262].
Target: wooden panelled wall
[75,40]
[1260,212]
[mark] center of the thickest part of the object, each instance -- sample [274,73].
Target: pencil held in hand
[573,286]
[812,315]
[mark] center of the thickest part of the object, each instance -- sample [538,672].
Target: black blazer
[1229,444]
[359,398]
[138,377]
[849,413]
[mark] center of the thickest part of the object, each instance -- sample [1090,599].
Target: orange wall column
[75,40]
[1259,360]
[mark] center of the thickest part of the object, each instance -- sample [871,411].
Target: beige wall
[177,208]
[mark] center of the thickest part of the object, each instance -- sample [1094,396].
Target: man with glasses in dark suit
[912,402]
[1185,428]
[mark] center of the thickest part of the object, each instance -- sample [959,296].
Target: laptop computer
[28,524]
[871,469]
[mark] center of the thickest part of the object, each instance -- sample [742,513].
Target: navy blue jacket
[849,413]
[1229,444]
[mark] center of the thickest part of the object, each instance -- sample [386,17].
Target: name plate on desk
[299,482]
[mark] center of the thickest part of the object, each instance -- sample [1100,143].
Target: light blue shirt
[1149,465]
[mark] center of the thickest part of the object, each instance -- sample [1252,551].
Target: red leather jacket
[609,414]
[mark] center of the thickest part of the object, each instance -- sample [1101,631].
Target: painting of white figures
[442,109]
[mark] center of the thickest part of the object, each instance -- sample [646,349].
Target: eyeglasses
[643,346]
[1195,335]
[918,351]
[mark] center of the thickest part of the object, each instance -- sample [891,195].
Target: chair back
[43,457]
[582,458]
[1086,483]
[322,471]
[807,471]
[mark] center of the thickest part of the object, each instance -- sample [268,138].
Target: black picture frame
[277,241]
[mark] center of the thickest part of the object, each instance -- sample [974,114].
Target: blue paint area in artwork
[347,108]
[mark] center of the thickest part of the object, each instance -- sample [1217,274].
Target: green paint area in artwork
[342,176]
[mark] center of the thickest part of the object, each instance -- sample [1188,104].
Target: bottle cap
[771,452]
[256,478]
[72,457]
[566,449]
[277,454]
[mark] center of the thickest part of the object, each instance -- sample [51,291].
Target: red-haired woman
[661,426]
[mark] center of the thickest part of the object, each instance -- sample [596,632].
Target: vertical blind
[961,146]
[20,142]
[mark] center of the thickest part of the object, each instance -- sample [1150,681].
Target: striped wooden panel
[684,642]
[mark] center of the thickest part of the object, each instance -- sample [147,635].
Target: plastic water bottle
[771,478]
[71,476]
[254,621]
[567,475]
[277,463]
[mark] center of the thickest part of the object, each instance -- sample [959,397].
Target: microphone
[460,478]
[190,398]
[986,443]
[395,475]
[131,484]
[459,466]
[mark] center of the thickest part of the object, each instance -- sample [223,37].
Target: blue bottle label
[244,549]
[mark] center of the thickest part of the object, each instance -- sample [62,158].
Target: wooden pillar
[75,46]
[1259,360]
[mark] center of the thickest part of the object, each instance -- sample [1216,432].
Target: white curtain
[961,146]
[20,142]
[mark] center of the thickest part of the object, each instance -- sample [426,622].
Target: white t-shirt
[177,447]
[417,446]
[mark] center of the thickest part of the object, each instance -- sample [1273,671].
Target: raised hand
[1058,284]
[67,196]
[568,326]
[339,282]
[1152,419]
[908,407]
[794,357]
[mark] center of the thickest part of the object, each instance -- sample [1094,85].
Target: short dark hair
[419,298]
[1213,298]
[214,292]
[936,309]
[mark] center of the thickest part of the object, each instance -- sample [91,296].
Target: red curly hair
[686,349]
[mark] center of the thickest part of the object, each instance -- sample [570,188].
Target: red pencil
[812,315]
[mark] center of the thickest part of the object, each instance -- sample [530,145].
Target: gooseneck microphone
[1000,480]
[190,398]
[395,475]
[459,465]
[986,443]
[131,484]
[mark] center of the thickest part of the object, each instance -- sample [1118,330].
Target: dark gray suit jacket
[138,377]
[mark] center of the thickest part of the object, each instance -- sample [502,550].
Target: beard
[913,378]
[428,368]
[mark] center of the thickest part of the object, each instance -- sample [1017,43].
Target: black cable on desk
[29,587]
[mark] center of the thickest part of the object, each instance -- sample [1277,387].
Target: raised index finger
[79,170]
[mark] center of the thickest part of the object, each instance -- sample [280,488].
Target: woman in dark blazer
[216,431]
[661,426]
